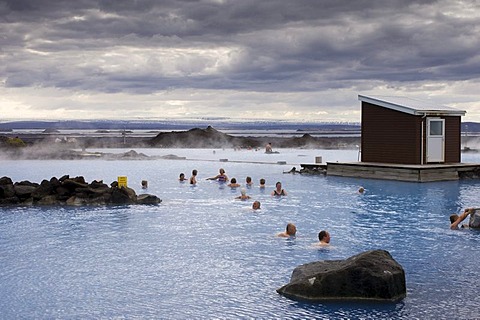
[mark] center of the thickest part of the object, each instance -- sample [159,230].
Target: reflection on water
[204,254]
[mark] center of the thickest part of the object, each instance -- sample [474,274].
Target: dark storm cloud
[136,46]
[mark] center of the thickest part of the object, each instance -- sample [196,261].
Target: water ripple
[202,254]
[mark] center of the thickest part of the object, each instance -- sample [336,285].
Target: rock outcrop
[369,275]
[195,138]
[212,138]
[70,192]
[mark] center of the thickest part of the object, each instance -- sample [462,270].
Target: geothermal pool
[201,254]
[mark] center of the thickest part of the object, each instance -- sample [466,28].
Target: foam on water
[203,254]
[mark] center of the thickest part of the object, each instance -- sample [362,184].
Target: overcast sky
[257,59]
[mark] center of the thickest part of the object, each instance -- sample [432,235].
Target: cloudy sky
[255,59]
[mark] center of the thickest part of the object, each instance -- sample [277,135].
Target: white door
[435,140]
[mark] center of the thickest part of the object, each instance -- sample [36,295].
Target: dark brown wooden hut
[402,130]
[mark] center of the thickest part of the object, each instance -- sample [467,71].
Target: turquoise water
[201,254]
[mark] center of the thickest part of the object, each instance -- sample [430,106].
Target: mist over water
[202,254]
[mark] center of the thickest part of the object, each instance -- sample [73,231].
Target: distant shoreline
[192,138]
[53,144]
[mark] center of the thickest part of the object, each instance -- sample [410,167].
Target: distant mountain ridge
[220,124]
[470,127]
[177,125]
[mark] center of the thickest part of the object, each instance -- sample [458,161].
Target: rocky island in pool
[69,192]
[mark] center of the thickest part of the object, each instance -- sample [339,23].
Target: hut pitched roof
[411,106]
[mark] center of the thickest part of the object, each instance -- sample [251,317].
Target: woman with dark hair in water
[278,190]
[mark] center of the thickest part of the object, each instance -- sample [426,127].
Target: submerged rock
[371,275]
[148,199]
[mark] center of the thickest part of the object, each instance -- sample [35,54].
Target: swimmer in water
[256,205]
[248,181]
[323,238]
[268,148]
[182,178]
[144,184]
[262,184]
[293,170]
[220,177]
[361,190]
[243,195]
[193,178]
[233,183]
[278,190]
[290,231]
[456,219]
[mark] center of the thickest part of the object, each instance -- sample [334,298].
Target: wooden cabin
[401,130]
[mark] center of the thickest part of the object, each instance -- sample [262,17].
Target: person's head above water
[256,205]
[453,218]
[278,191]
[324,236]
[243,192]
[291,229]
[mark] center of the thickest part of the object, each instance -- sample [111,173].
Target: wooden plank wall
[452,140]
[390,136]
[391,173]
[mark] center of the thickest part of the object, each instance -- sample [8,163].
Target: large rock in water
[368,275]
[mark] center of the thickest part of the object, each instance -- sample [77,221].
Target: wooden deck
[402,172]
